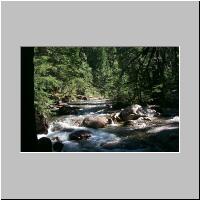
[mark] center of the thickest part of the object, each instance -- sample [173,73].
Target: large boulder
[95,122]
[131,113]
[136,111]
[80,135]
[41,124]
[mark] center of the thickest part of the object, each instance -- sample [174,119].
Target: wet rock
[95,122]
[80,135]
[61,127]
[133,117]
[131,112]
[58,146]
[146,118]
[44,145]
[110,121]
[115,117]
[129,123]
[77,122]
[41,124]
[151,112]
[136,111]
[56,127]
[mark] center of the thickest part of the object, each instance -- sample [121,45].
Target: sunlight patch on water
[161,128]
[41,136]
[94,143]
[174,119]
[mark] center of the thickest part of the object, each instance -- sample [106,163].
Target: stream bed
[146,134]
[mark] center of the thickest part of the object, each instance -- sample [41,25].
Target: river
[115,137]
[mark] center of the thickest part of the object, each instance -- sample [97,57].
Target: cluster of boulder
[48,145]
[135,116]
[128,116]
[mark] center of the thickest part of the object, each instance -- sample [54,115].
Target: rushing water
[60,128]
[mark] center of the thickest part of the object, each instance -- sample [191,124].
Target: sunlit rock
[95,122]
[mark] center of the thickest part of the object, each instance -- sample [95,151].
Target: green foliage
[60,72]
[126,75]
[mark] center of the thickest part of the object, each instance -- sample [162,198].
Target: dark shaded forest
[126,75]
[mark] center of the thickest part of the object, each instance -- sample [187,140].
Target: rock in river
[136,111]
[95,122]
[131,113]
[80,135]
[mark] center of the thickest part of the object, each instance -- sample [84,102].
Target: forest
[107,98]
[126,75]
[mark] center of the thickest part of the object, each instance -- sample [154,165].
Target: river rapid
[115,137]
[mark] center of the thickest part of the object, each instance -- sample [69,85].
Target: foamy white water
[61,127]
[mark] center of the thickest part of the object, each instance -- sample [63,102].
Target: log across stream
[145,134]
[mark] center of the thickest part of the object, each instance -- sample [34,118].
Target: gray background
[96,175]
